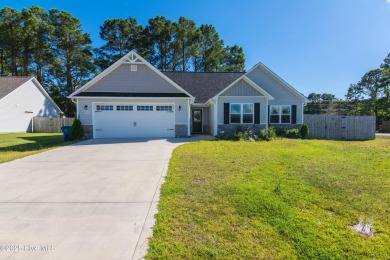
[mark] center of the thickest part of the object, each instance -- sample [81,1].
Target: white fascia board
[250,82]
[282,81]
[257,87]
[125,59]
[39,86]
[100,76]
[185,98]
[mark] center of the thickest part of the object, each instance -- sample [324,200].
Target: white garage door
[133,120]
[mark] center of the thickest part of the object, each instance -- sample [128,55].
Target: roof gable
[9,84]
[120,77]
[272,76]
[243,78]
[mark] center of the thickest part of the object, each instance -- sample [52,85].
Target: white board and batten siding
[19,107]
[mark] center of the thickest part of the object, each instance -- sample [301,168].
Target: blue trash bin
[66,131]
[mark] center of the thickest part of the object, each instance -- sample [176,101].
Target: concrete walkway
[92,200]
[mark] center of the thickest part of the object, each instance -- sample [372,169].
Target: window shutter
[226,113]
[268,115]
[293,114]
[257,113]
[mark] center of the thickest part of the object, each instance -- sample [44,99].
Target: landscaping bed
[283,199]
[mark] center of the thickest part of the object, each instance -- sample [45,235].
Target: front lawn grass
[18,145]
[284,199]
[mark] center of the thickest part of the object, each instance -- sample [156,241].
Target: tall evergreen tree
[159,35]
[38,54]
[73,64]
[234,59]
[121,36]
[10,39]
[186,36]
[211,49]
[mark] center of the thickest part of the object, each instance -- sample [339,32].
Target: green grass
[18,145]
[284,199]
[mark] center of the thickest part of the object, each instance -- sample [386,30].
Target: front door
[197,121]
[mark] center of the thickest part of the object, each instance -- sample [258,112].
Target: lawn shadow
[35,143]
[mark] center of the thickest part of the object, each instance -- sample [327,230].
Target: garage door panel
[133,124]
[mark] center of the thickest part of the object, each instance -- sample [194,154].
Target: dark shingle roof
[126,94]
[9,84]
[203,85]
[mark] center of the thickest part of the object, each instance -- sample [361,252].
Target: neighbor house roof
[9,84]
[203,85]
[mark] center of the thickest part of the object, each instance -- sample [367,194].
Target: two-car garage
[135,120]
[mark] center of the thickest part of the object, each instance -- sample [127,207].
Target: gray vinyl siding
[181,117]
[241,88]
[144,80]
[258,99]
[17,108]
[282,96]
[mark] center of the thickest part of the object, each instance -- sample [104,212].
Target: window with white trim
[280,114]
[241,113]
[124,108]
[163,108]
[144,108]
[104,108]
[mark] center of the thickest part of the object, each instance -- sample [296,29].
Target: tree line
[369,96]
[52,46]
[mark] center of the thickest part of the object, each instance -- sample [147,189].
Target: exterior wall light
[179,108]
[86,107]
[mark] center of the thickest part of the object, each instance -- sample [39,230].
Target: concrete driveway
[92,200]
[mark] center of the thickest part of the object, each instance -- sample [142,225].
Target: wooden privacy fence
[49,125]
[340,127]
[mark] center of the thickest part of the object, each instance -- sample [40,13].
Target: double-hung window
[241,113]
[280,114]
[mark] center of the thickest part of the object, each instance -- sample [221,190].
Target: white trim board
[131,58]
[279,79]
[251,83]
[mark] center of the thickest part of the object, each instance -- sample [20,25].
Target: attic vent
[133,67]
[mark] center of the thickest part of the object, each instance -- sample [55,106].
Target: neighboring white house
[21,99]
[132,98]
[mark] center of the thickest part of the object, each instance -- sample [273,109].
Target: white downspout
[215,117]
[266,114]
[189,119]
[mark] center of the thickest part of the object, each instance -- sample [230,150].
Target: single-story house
[21,99]
[132,98]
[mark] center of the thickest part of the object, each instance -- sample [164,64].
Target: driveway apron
[92,200]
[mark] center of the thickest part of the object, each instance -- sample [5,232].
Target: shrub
[292,133]
[246,136]
[280,132]
[268,134]
[304,131]
[77,130]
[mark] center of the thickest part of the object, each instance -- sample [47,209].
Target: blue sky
[316,46]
